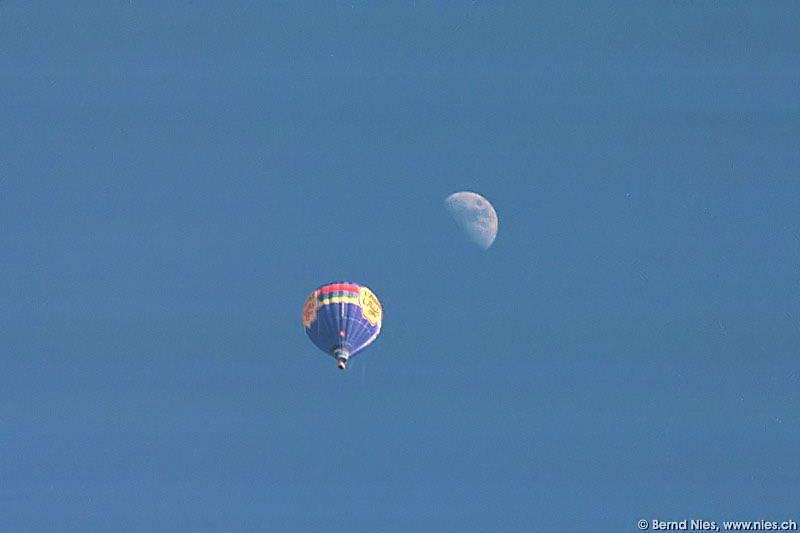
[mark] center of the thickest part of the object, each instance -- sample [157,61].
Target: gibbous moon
[474,215]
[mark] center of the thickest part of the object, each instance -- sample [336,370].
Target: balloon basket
[341,357]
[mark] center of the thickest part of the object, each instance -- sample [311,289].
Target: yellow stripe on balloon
[339,300]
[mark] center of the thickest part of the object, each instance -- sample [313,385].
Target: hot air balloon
[342,318]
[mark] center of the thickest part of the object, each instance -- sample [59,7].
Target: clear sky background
[176,177]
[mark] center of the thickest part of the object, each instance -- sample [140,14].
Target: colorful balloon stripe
[339,299]
[340,287]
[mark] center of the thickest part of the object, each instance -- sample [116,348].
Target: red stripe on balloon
[340,287]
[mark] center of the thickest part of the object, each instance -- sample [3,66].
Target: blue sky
[175,179]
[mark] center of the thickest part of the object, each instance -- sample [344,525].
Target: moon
[474,215]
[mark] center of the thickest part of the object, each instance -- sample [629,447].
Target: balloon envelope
[342,318]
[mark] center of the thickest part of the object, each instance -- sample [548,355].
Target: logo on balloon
[370,306]
[310,309]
